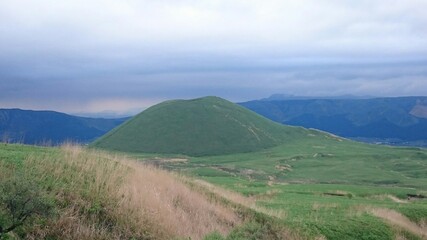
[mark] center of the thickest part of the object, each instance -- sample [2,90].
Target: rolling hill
[401,120]
[204,126]
[49,127]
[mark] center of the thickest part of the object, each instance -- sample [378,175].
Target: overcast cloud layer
[108,55]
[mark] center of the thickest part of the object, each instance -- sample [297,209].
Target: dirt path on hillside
[395,199]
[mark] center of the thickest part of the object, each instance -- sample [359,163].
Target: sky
[110,56]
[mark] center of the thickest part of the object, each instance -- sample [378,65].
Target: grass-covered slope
[204,126]
[73,193]
[326,187]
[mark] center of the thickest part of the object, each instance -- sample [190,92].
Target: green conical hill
[203,126]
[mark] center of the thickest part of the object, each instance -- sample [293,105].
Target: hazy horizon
[117,57]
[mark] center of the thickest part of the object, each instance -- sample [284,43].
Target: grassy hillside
[204,126]
[394,120]
[48,127]
[321,187]
[326,186]
[73,193]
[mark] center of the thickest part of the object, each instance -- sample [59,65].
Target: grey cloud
[85,54]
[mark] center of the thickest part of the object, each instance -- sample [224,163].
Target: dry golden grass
[167,201]
[240,199]
[317,206]
[113,197]
[400,237]
[399,220]
[390,197]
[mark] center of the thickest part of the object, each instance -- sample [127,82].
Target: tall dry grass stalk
[114,197]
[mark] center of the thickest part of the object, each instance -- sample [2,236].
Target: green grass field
[321,187]
[324,185]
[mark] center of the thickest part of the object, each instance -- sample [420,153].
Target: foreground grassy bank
[329,191]
[73,193]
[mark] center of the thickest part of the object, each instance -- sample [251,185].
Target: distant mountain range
[48,127]
[279,97]
[399,120]
[395,121]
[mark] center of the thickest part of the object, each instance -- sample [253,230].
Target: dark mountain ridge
[401,119]
[50,127]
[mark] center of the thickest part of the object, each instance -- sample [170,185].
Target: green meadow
[324,186]
[321,187]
